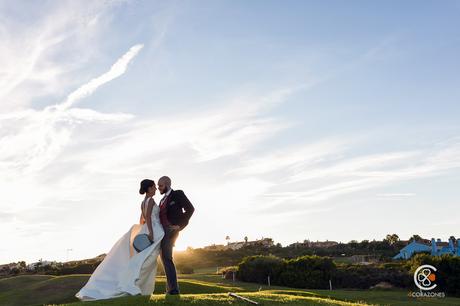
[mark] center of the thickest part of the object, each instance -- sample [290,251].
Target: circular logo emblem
[425,277]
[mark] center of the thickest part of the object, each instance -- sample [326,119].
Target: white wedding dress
[124,271]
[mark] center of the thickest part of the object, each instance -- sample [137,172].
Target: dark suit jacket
[179,208]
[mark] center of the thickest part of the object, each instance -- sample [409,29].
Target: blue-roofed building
[435,248]
[439,248]
[413,248]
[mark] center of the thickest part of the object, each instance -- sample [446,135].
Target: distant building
[439,248]
[413,248]
[42,263]
[10,265]
[6,268]
[265,242]
[235,245]
[435,248]
[215,247]
[313,244]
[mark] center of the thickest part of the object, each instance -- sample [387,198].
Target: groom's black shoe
[173,292]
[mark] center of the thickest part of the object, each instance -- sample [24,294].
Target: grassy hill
[197,289]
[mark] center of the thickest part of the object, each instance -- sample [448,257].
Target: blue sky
[289,119]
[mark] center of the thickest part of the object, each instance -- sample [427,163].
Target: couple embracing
[128,270]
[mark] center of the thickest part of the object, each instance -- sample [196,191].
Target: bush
[224,270]
[312,272]
[14,271]
[86,268]
[258,268]
[185,269]
[228,272]
[366,276]
[448,271]
[449,274]
[302,272]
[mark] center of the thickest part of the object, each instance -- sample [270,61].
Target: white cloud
[331,177]
[39,58]
[293,158]
[32,140]
[115,71]
[396,195]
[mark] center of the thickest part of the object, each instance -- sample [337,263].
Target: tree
[227,238]
[415,238]
[38,265]
[364,244]
[392,239]
[246,239]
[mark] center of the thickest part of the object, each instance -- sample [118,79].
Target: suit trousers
[167,245]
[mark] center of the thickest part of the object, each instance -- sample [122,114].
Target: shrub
[86,268]
[302,272]
[448,271]
[185,269]
[307,272]
[224,270]
[449,274]
[366,276]
[258,268]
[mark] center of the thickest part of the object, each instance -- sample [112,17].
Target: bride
[124,271]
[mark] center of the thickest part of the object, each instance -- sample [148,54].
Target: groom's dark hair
[145,185]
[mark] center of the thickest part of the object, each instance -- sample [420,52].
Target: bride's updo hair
[145,185]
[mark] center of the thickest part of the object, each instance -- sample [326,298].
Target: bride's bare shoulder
[152,201]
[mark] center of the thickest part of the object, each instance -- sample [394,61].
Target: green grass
[264,298]
[40,289]
[198,289]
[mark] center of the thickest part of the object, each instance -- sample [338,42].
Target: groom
[175,212]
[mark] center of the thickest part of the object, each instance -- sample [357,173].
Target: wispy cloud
[332,173]
[293,158]
[115,71]
[396,195]
[39,58]
[32,140]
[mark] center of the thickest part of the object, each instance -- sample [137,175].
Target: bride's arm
[141,219]
[149,218]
